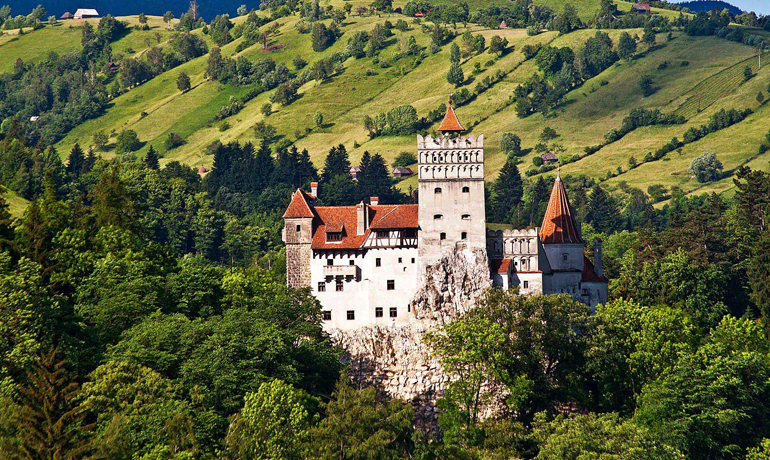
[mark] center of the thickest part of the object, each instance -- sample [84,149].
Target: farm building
[83,13]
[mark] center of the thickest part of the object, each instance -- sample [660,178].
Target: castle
[365,262]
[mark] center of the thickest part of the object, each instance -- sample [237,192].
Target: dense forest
[145,315]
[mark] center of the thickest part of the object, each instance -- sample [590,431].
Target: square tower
[451,192]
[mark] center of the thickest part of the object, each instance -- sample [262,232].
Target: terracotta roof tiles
[299,207]
[559,226]
[450,122]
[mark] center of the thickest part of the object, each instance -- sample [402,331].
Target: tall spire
[559,226]
[451,124]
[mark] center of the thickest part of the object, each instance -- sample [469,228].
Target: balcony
[340,270]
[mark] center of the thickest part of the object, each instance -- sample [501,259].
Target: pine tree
[151,159]
[508,190]
[75,161]
[49,420]
[6,223]
[602,211]
[336,163]
[263,166]
[375,180]
[111,204]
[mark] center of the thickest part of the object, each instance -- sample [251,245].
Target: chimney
[598,256]
[314,189]
[361,218]
[374,200]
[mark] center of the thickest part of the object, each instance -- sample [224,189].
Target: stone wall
[298,258]
[395,358]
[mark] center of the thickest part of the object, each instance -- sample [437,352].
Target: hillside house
[66,15]
[402,172]
[84,13]
[643,8]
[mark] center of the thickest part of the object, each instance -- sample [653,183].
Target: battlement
[450,143]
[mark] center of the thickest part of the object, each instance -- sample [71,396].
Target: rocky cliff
[395,358]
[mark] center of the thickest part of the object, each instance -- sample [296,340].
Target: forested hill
[708,5]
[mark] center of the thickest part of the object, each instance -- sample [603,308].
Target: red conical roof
[450,124]
[559,226]
[299,207]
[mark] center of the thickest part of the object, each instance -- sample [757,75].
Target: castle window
[334,236]
[351,262]
[400,260]
[329,261]
[412,259]
[321,286]
[526,284]
[351,315]
[442,236]
[393,312]
[340,286]
[438,216]
[410,233]
[327,315]
[378,312]
[378,262]
[391,285]
[565,257]
[299,228]
[466,190]
[437,190]
[466,217]
[464,235]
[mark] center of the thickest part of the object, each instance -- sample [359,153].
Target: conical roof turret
[559,226]
[450,124]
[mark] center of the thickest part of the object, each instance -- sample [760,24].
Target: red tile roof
[299,207]
[500,265]
[450,122]
[381,217]
[589,273]
[559,226]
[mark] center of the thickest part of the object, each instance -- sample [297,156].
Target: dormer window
[333,237]
[382,234]
[437,190]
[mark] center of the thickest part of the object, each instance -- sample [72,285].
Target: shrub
[404,159]
[127,141]
[706,168]
[646,85]
[299,62]
[537,161]
[224,126]
[267,109]
[173,140]
[183,82]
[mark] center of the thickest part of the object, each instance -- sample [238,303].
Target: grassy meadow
[693,76]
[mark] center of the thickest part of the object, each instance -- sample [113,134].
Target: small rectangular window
[329,261]
[340,286]
[400,260]
[299,228]
[351,315]
[393,312]
[351,262]
[442,236]
[412,259]
[327,315]
[464,235]
[526,284]
[321,286]
[378,262]
[565,257]
[410,233]
[391,285]
[378,312]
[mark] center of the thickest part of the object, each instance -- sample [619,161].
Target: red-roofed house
[641,8]
[365,262]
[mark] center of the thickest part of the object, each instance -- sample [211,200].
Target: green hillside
[689,73]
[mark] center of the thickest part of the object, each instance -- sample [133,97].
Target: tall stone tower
[298,236]
[451,187]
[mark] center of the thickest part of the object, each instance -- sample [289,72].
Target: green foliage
[127,141]
[183,82]
[510,144]
[605,436]
[273,424]
[646,84]
[398,121]
[455,75]
[358,426]
[626,46]
[706,167]
[404,159]
[507,192]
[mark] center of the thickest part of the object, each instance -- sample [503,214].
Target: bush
[173,140]
[183,82]
[299,62]
[706,168]
[646,85]
[224,126]
[510,144]
[404,159]
[267,109]
[537,161]
[127,141]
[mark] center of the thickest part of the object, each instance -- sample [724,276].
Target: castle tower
[559,232]
[298,236]
[451,188]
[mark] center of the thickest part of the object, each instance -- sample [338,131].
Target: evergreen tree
[626,46]
[336,163]
[602,210]
[454,54]
[455,75]
[49,420]
[374,179]
[263,166]
[151,159]
[508,190]
[111,204]
[6,223]
[306,171]
[89,161]
[75,161]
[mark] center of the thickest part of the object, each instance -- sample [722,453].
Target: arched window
[437,190]
[438,216]
[466,190]
[464,235]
